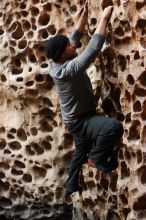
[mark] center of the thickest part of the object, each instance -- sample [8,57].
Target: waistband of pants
[73,126]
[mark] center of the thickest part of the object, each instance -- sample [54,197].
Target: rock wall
[35,147]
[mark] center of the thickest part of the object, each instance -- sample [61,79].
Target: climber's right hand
[107,12]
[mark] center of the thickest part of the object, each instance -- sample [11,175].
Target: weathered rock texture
[35,148]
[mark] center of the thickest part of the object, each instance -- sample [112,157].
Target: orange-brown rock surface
[35,147]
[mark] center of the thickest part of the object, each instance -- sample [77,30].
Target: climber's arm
[83,19]
[78,32]
[102,26]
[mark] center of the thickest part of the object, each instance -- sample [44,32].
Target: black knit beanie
[55,47]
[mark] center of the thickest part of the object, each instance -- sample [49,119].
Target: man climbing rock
[94,136]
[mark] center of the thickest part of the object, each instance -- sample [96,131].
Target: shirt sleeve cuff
[99,36]
[75,37]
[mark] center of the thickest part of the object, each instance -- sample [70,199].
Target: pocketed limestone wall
[35,147]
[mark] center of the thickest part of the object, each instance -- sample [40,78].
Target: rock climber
[94,135]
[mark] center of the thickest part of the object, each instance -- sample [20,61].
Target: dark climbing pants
[95,137]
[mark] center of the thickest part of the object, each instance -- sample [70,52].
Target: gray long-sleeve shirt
[72,82]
